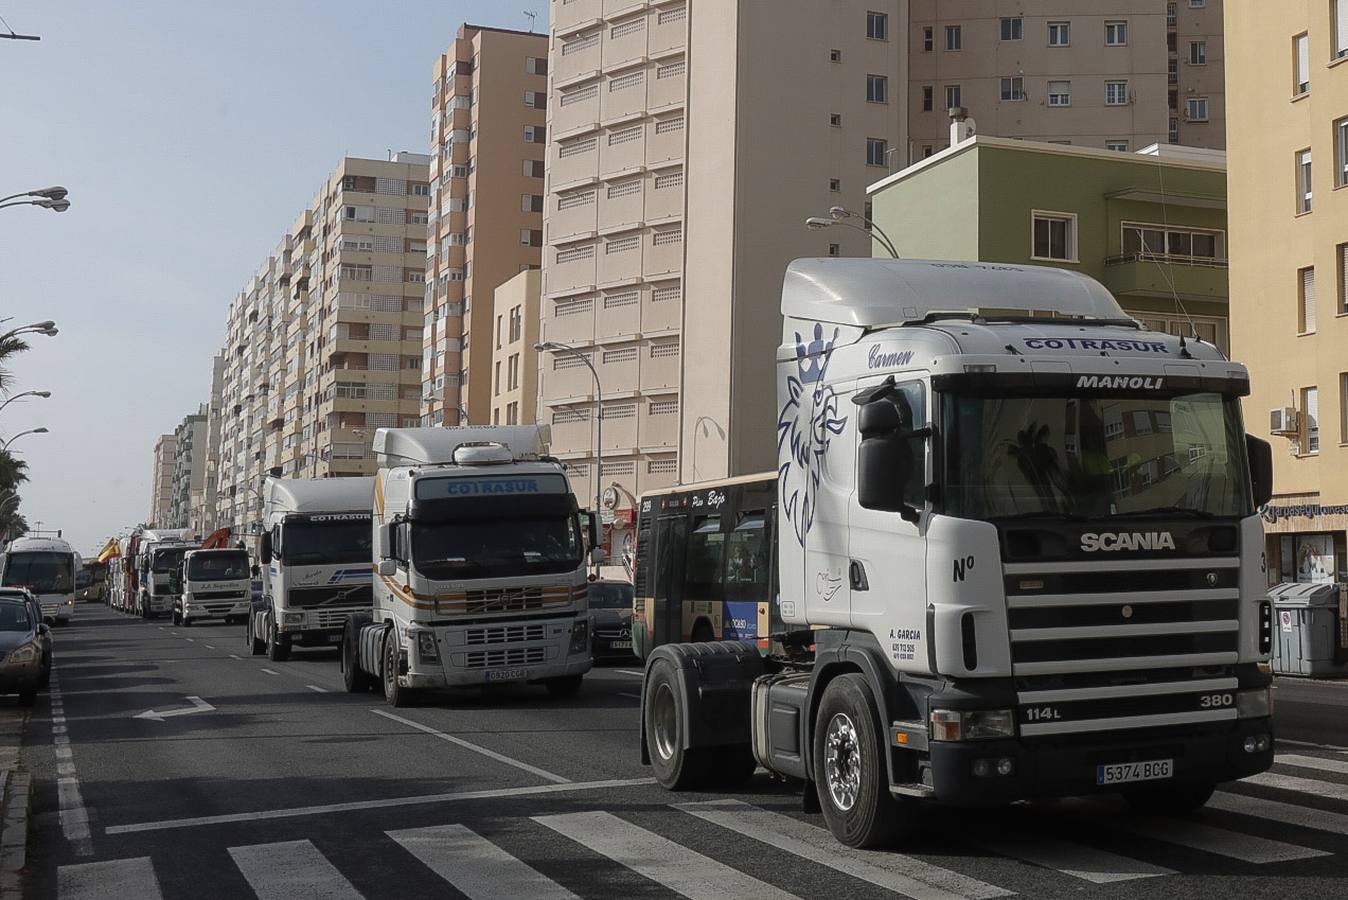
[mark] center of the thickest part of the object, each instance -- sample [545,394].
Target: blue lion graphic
[807,428]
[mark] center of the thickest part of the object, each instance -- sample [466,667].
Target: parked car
[611,619]
[21,660]
[44,631]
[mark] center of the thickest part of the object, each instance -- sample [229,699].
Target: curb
[17,789]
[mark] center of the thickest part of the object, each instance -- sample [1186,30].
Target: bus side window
[747,563]
[706,551]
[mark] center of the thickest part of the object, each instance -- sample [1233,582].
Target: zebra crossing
[653,845]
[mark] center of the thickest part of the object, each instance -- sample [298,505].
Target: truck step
[914,790]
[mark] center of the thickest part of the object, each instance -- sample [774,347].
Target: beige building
[1289,253]
[488,134]
[189,467]
[324,343]
[202,502]
[1109,74]
[514,366]
[683,159]
[161,480]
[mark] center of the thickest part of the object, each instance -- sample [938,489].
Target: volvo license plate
[1121,773]
[335,638]
[507,674]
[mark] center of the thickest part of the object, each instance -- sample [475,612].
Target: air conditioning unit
[1282,421]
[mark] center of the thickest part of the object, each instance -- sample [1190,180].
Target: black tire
[561,688]
[850,770]
[702,632]
[27,698]
[278,648]
[1170,801]
[676,767]
[257,645]
[354,679]
[396,695]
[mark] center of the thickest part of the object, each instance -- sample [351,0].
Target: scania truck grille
[1103,645]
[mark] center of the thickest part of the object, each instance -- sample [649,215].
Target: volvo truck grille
[497,659]
[509,600]
[504,634]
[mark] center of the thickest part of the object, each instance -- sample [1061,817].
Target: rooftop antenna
[1165,273]
[533,20]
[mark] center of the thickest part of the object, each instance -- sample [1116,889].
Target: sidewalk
[15,787]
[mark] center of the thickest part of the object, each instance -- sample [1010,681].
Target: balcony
[1160,275]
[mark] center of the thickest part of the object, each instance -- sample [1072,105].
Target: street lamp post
[838,216]
[43,394]
[38,430]
[47,328]
[53,198]
[559,347]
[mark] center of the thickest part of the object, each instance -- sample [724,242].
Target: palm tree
[9,348]
[1037,461]
[13,471]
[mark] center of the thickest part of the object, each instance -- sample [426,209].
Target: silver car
[21,662]
[43,630]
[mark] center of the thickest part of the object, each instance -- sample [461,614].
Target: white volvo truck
[1015,556]
[212,584]
[46,566]
[315,564]
[481,566]
[159,555]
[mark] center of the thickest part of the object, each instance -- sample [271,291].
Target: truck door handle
[856,576]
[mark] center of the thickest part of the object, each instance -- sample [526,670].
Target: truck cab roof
[317,495]
[426,446]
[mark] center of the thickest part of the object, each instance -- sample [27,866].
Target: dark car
[44,632]
[21,663]
[611,619]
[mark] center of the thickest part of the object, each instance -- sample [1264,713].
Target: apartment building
[688,142]
[189,467]
[514,368]
[488,135]
[202,502]
[1108,74]
[323,345]
[1289,241]
[161,479]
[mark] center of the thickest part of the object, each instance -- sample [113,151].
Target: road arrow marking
[198,705]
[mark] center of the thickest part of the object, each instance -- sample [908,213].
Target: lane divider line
[316,689]
[271,672]
[71,811]
[468,745]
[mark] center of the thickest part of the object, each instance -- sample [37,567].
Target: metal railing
[1174,259]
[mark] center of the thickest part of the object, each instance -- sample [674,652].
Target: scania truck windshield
[1095,457]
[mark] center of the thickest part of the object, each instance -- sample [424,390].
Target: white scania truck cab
[212,584]
[315,562]
[1016,553]
[481,566]
[46,566]
[159,555]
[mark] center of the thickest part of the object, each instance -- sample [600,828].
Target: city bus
[706,567]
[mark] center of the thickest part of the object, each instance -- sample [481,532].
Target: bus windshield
[496,548]
[1092,457]
[309,543]
[42,571]
[218,566]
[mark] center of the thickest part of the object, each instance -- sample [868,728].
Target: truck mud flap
[715,683]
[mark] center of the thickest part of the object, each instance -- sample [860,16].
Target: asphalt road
[273,782]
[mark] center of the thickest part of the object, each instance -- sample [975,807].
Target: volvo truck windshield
[1095,457]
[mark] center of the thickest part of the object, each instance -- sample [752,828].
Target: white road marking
[270,672]
[672,865]
[115,878]
[1210,839]
[1077,860]
[475,866]
[316,689]
[1282,741]
[1286,813]
[191,640]
[209,646]
[71,812]
[234,656]
[1330,790]
[906,875]
[1337,766]
[198,706]
[468,745]
[290,869]
[390,803]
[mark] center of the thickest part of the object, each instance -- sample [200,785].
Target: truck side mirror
[387,538]
[256,571]
[1261,469]
[264,547]
[388,567]
[885,463]
[592,524]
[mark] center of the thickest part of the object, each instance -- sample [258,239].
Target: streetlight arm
[876,235]
[598,421]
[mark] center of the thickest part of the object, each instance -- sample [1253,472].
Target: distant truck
[47,567]
[160,553]
[315,562]
[480,550]
[212,584]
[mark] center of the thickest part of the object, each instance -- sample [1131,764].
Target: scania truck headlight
[972,724]
[1254,704]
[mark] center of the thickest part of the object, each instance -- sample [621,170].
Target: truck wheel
[396,695]
[849,767]
[561,688]
[255,643]
[676,767]
[355,680]
[278,648]
[1172,801]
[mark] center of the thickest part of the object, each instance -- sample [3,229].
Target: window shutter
[1343,277]
[1304,51]
[1308,299]
[1340,27]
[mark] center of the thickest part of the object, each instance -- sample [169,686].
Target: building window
[1341,267]
[1171,20]
[877,26]
[1173,136]
[1059,34]
[1116,93]
[1197,4]
[1303,181]
[927,40]
[834,250]
[953,37]
[1301,64]
[1118,146]
[1060,93]
[531,237]
[1054,236]
[877,89]
[535,134]
[1196,109]
[1306,300]
[877,152]
[1198,53]
[536,65]
[835,56]
[953,98]
[1310,421]
[1013,28]
[1339,11]
[1013,88]
[835,184]
[835,119]
[928,92]
[1116,34]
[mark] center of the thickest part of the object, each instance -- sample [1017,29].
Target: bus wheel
[676,767]
[396,695]
[849,767]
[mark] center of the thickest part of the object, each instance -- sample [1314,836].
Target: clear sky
[190,134]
